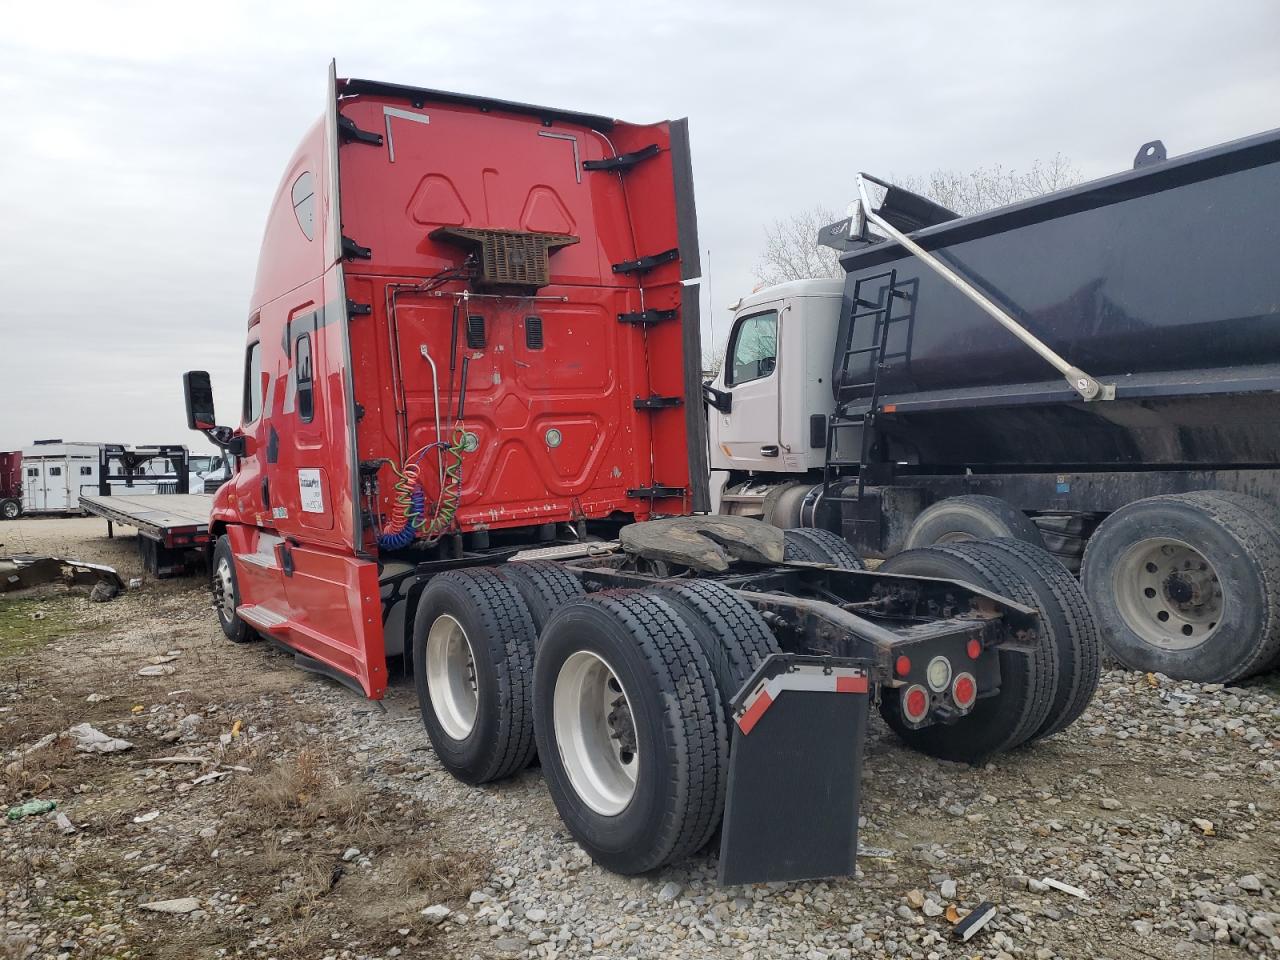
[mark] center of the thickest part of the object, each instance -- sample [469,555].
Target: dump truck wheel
[1061,603]
[226,593]
[1028,679]
[971,517]
[821,546]
[730,631]
[1188,586]
[473,669]
[545,586]
[630,730]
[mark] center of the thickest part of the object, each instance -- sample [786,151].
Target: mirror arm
[226,439]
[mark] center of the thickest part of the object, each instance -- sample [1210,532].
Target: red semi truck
[472,441]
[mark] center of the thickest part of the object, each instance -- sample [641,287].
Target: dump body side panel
[1160,280]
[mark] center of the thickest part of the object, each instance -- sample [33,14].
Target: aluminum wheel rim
[451,677]
[595,733]
[224,590]
[1168,593]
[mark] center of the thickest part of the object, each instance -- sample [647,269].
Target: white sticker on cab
[310,491]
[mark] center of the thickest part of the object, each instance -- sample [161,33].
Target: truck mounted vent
[533,333]
[507,258]
[475,332]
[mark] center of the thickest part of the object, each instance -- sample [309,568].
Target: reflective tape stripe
[814,679]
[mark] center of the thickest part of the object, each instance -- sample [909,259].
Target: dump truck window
[302,372]
[253,383]
[304,203]
[753,351]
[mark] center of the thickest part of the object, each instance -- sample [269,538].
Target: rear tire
[226,593]
[545,586]
[1060,601]
[971,517]
[638,775]
[1028,681]
[1188,585]
[473,671]
[812,545]
[731,633]
[10,509]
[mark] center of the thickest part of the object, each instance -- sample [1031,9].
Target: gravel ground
[306,822]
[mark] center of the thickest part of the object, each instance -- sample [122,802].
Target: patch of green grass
[28,623]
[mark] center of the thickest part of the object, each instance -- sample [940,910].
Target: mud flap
[794,771]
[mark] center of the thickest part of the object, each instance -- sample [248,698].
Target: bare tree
[792,253]
[986,188]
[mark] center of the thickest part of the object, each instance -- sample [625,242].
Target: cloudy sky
[142,142]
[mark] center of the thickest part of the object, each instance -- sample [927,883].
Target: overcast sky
[142,143]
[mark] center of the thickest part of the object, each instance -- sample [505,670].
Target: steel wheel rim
[224,590]
[955,536]
[595,733]
[451,677]
[1168,593]
[10,510]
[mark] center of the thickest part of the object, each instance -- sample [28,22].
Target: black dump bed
[1164,281]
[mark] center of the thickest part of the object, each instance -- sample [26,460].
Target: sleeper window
[753,349]
[304,204]
[302,373]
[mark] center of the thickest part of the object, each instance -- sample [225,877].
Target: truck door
[748,433]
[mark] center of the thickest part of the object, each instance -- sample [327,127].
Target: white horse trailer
[55,474]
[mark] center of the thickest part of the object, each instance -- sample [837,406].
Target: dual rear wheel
[625,698]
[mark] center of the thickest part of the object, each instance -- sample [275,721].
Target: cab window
[753,349]
[253,383]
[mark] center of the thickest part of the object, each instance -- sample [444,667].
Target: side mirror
[199,395]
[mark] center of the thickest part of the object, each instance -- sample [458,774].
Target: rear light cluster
[941,679]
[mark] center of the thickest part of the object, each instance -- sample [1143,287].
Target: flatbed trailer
[173,528]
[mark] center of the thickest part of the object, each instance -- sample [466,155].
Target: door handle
[769,450]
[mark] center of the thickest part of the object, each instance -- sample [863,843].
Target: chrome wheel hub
[595,732]
[451,677]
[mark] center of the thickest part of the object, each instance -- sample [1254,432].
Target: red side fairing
[553,412]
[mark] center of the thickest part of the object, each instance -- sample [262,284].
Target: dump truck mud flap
[795,766]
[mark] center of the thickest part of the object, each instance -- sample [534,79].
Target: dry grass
[447,874]
[303,790]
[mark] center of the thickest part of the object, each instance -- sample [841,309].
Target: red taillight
[915,703]
[902,666]
[974,649]
[964,690]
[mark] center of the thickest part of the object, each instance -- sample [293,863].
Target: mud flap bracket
[795,766]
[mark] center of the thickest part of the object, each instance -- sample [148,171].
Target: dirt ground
[273,813]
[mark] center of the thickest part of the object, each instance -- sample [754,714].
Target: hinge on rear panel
[353,251]
[623,161]
[358,309]
[348,130]
[646,317]
[647,263]
[655,492]
[655,402]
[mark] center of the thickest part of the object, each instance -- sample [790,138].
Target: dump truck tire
[971,517]
[473,669]
[641,783]
[545,586]
[10,509]
[1028,680]
[1187,585]
[730,631]
[1061,602]
[821,546]
[226,593]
